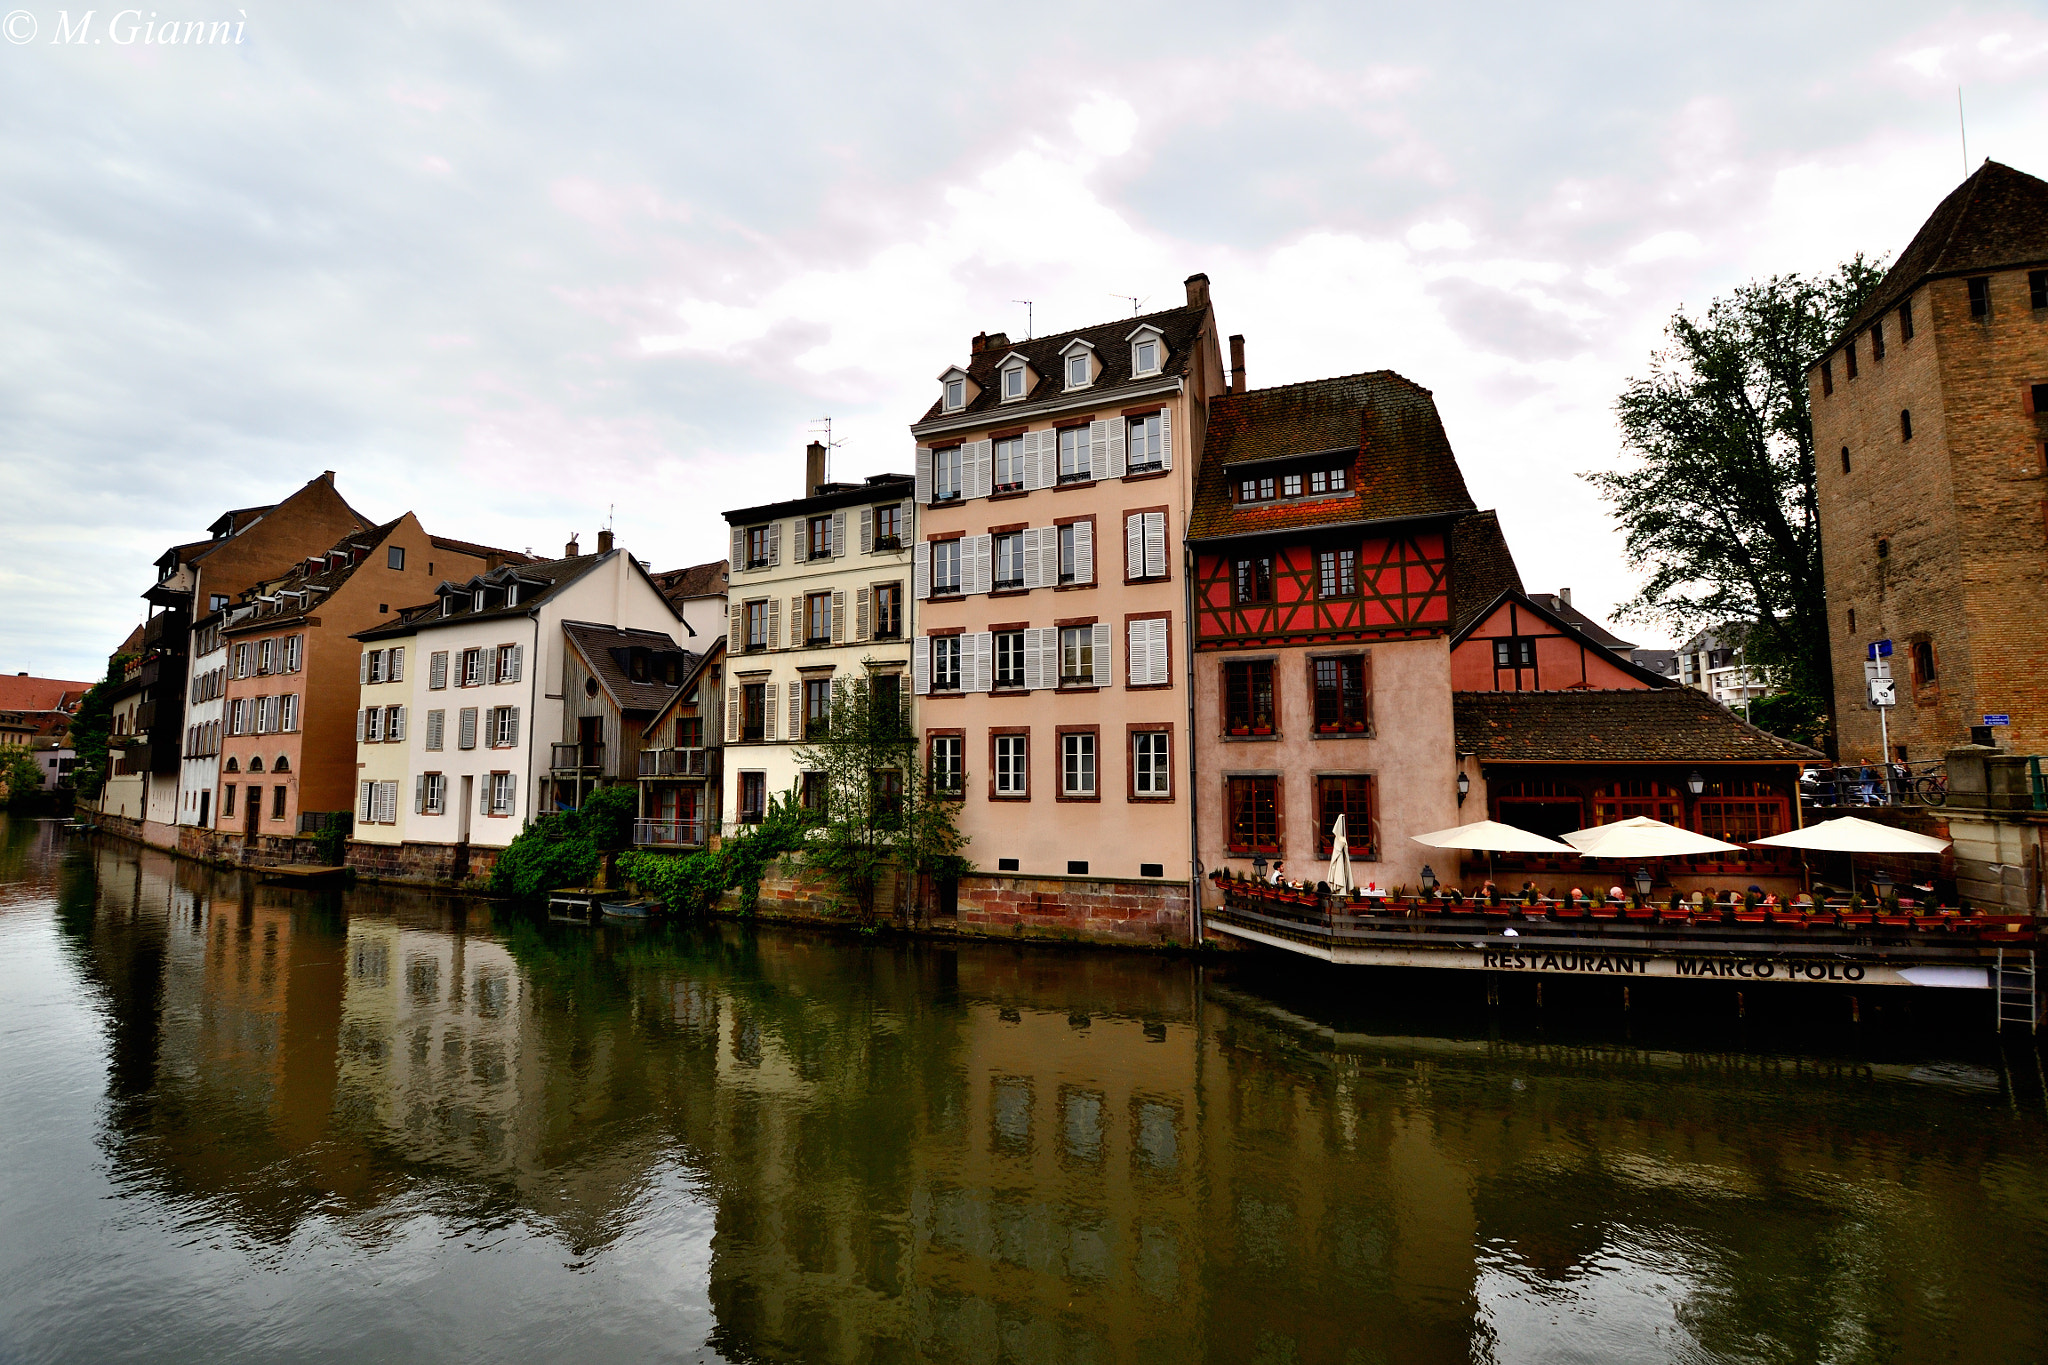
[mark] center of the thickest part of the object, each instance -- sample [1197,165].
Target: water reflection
[777,1146]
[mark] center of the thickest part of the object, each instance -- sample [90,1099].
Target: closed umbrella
[1642,837]
[1339,876]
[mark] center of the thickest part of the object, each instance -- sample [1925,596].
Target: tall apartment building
[1715,662]
[1930,423]
[818,587]
[1054,478]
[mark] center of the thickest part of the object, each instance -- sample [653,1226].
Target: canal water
[246,1123]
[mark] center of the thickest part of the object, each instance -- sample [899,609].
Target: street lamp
[1259,867]
[1464,786]
[1428,881]
[1644,882]
[1881,882]
[1694,783]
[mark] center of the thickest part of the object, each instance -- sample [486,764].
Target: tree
[1720,505]
[22,775]
[875,811]
[92,727]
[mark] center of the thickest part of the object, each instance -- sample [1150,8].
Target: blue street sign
[1880,649]
[1998,720]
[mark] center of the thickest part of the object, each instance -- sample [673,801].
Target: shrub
[687,883]
[555,850]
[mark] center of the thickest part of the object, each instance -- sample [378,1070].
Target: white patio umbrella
[1339,875]
[1491,837]
[1642,837]
[1848,834]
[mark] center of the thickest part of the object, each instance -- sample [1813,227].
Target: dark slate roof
[1663,662]
[1995,220]
[539,580]
[876,488]
[714,734]
[318,585]
[1665,724]
[1405,467]
[699,580]
[470,547]
[1482,568]
[1179,326]
[1555,604]
[608,651]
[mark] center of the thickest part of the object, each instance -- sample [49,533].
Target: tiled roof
[1666,724]
[1482,568]
[1179,327]
[1995,220]
[699,580]
[597,644]
[545,576]
[874,489]
[40,694]
[468,547]
[1555,604]
[318,585]
[1405,466]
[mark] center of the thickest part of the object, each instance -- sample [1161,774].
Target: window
[1077,370]
[887,788]
[472,668]
[1011,756]
[394,724]
[946,474]
[1248,697]
[373,725]
[433,793]
[277,803]
[227,797]
[1516,652]
[1077,764]
[885,703]
[504,727]
[753,711]
[1845,459]
[1905,424]
[1150,776]
[818,618]
[1337,573]
[689,732]
[1009,651]
[818,540]
[294,649]
[465,728]
[812,792]
[1849,358]
[477,600]
[502,792]
[1625,800]
[945,567]
[1877,340]
[394,557]
[1884,548]
[956,393]
[757,624]
[1013,383]
[1145,545]
[1008,547]
[437,727]
[1075,465]
[288,712]
[1144,445]
[942,766]
[505,663]
[1255,579]
[1923,662]
[1253,808]
[888,611]
[889,527]
[1328,480]
[945,663]
[1980,297]
[1350,797]
[1145,357]
[1077,656]
[1070,562]
[753,797]
[1340,695]
[1906,317]
[1257,490]
[1009,464]
[817,707]
[757,547]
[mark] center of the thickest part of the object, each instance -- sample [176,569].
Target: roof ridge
[1328,379]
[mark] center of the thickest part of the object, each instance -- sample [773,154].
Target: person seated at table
[1578,896]
[1804,901]
[1487,890]
[1614,893]
[1699,898]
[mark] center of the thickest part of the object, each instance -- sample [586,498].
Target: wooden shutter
[921,665]
[1034,661]
[771,698]
[512,727]
[774,544]
[518,663]
[364,800]
[419,795]
[465,728]
[362,670]
[1134,545]
[394,729]
[1084,552]
[921,570]
[922,485]
[739,550]
[1034,563]
[867,530]
[1112,466]
[359,727]
[736,626]
[839,616]
[1036,473]
[984,571]
[1166,438]
[775,623]
[732,715]
[983,454]
[1098,447]
[437,670]
[1102,674]
[984,662]
[796,710]
[1155,544]
[398,664]
[437,724]
[861,626]
[839,533]
[1162,650]
[1137,645]
[799,621]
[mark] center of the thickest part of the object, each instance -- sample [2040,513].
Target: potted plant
[1356,726]
[1236,730]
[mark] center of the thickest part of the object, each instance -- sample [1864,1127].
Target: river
[246,1123]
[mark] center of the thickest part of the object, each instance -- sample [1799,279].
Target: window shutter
[983,454]
[839,616]
[867,530]
[1162,650]
[1101,673]
[1134,546]
[1138,653]
[1098,447]
[921,570]
[922,484]
[1035,473]
[1084,552]
[1034,660]
[736,626]
[484,792]
[739,550]
[984,663]
[1155,544]
[398,664]
[796,710]
[732,715]
[518,663]
[1113,439]
[774,544]
[861,630]
[512,727]
[364,800]
[984,573]
[839,533]
[1034,563]
[465,728]
[398,732]
[775,623]
[419,795]
[362,669]
[373,725]
[1166,438]
[921,665]
[771,699]
[437,669]
[436,724]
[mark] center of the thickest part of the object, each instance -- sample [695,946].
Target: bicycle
[1931,788]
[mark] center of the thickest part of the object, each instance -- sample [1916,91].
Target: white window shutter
[465,728]
[1137,646]
[1134,545]
[419,795]
[739,550]
[1034,566]
[839,533]
[1102,674]
[1034,660]
[921,665]
[775,623]
[770,698]
[799,621]
[484,794]
[1084,552]
[984,662]
[774,544]
[512,727]
[1166,438]
[984,571]
[400,735]
[437,670]
[732,715]
[1098,447]
[398,664]
[867,530]
[1155,544]
[364,801]
[922,485]
[984,453]
[861,628]
[362,670]
[1162,650]
[1034,460]
[921,570]
[839,616]
[437,724]
[518,663]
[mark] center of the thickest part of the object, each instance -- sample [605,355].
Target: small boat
[625,909]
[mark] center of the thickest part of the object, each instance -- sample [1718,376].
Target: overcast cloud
[509,266]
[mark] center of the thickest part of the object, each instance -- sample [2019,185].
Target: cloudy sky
[519,269]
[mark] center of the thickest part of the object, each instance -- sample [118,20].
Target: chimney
[990,341]
[1564,595]
[570,551]
[327,474]
[604,542]
[1237,363]
[1198,291]
[814,468]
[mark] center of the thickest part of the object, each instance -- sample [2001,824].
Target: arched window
[283,764]
[256,764]
[233,766]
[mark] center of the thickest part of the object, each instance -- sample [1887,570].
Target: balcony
[575,758]
[673,763]
[673,833]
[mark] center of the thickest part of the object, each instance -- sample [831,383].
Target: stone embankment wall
[421,864]
[411,864]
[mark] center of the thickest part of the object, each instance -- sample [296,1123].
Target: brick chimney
[814,468]
[1198,291]
[990,341]
[604,542]
[1564,595]
[1237,363]
[570,551]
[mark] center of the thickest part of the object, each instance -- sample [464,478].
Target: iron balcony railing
[577,758]
[673,833]
[672,763]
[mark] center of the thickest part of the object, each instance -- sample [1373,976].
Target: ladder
[2018,999]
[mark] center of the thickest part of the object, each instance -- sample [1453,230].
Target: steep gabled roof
[714,732]
[1648,725]
[1482,569]
[1556,605]
[545,578]
[1405,467]
[40,694]
[699,580]
[1995,220]
[467,547]
[598,643]
[1536,604]
[315,586]
[1179,327]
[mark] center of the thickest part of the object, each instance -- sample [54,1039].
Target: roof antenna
[830,445]
[1028,332]
[1964,129]
[1131,299]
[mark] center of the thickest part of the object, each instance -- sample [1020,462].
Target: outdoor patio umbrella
[1339,876]
[1642,837]
[1491,837]
[1852,836]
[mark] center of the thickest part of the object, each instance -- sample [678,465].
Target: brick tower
[1930,424]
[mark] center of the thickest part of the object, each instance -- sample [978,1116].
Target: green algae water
[246,1123]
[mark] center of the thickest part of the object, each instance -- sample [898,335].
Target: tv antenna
[1028,333]
[1133,300]
[824,424]
[1964,129]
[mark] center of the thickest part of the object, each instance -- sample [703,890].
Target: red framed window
[1254,813]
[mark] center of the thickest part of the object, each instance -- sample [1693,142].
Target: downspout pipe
[1187,611]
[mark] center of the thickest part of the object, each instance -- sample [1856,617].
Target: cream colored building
[388,789]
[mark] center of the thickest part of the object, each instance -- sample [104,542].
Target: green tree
[91,728]
[877,812]
[22,775]
[1719,503]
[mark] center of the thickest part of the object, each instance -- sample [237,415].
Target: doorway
[463,809]
[205,809]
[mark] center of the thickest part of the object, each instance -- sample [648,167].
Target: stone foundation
[416,864]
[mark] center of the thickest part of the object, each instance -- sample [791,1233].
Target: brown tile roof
[40,694]
[1179,326]
[1995,220]
[316,585]
[1482,568]
[606,650]
[470,547]
[699,580]
[1666,724]
[1579,621]
[1405,466]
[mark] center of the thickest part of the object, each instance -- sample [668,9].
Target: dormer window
[1077,370]
[448,605]
[512,595]
[1145,357]
[477,600]
[956,394]
[1013,383]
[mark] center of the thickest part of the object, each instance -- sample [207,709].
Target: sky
[526,270]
